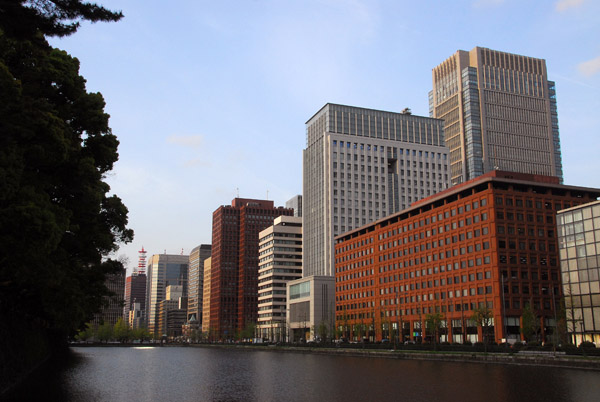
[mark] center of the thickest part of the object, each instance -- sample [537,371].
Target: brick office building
[491,240]
[234,263]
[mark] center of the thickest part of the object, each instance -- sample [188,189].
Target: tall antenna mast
[141,268]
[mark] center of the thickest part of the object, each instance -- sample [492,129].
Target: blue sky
[208,97]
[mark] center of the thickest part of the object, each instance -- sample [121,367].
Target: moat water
[205,374]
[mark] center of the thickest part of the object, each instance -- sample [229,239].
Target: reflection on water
[204,374]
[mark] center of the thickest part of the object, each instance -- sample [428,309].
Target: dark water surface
[203,374]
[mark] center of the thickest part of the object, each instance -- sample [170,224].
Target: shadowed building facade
[196,281]
[499,111]
[234,263]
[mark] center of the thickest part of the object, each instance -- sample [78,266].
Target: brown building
[234,266]
[490,241]
[135,292]
[499,111]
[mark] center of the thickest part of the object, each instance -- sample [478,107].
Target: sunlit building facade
[280,261]
[234,264]
[500,113]
[164,270]
[490,242]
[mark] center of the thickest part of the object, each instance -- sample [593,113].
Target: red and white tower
[141,268]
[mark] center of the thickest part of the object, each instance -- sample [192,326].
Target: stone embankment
[528,358]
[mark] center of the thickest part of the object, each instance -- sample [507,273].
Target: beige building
[280,261]
[196,281]
[206,296]
[579,247]
[499,111]
[311,308]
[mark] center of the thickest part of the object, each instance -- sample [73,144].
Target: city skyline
[263,68]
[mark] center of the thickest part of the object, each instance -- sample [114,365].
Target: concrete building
[135,293]
[579,247]
[500,113]
[295,203]
[310,303]
[234,263]
[280,261]
[113,308]
[196,281]
[361,165]
[206,297]
[164,270]
[491,241]
[171,317]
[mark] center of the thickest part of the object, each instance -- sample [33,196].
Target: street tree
[530,323]
[433,323]
[482,317]
[121,331]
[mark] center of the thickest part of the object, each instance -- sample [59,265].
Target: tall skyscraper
[234,263]
[361,165]
[164,270]
[196,281]
[499,111]
[280,250]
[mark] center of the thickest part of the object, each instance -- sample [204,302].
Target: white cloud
[189,141]
[590,67]
[563,5]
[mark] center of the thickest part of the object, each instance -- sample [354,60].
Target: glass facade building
[499,112]
[579,245]
[164,270]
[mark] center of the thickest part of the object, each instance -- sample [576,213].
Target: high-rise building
[499,111]
[360,165]
[489,242]
[579,248]
[295,203]
[135,292]
[280,261]
[113,308]
[196,281]
[234,263]
[206,297]
[164,270]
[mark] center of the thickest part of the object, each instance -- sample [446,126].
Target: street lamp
[503,311]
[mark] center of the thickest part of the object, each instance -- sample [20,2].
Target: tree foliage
[530,323]
[121,331]
[482,317]
[24,19]
[433,323]
[58,222]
